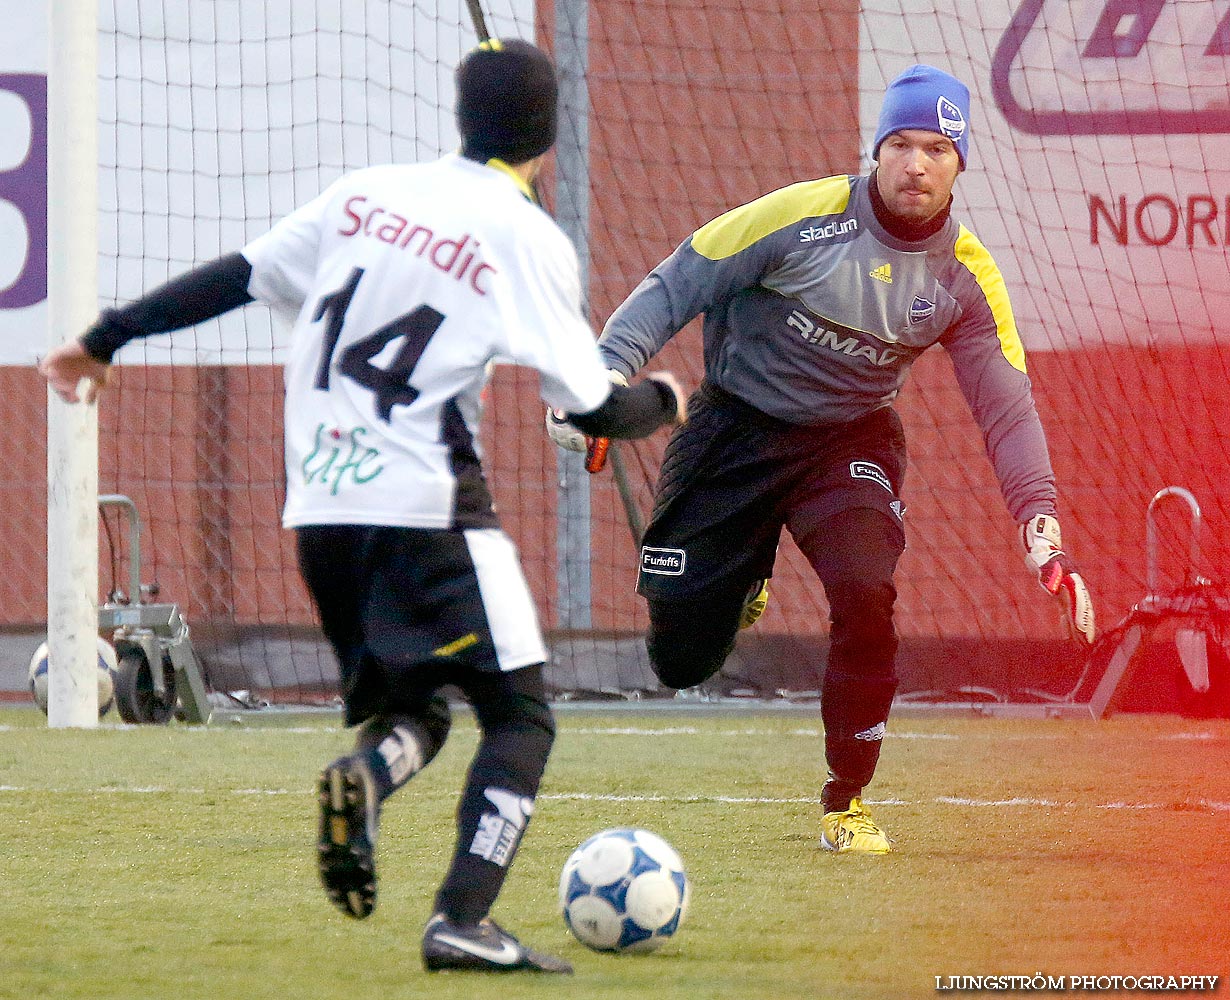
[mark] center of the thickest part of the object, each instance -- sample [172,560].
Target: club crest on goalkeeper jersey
[814,313]
[403,285]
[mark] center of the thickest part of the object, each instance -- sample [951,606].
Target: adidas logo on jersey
[883,273]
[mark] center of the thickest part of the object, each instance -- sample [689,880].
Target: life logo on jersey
[341,458]
[1120,67]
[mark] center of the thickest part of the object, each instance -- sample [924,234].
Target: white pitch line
[682,799]
[106,790]
[1194,736]
[261,731]
[694,731]
[1192,805]
[266,791]
[947,800]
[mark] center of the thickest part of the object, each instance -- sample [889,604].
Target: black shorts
[407,608]
[733,477]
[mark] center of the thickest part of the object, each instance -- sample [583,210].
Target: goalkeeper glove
[563,433]
[569,438]
[1058,575]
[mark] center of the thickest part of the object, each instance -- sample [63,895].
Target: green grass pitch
[178,862]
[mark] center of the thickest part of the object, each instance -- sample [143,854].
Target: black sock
[836,794]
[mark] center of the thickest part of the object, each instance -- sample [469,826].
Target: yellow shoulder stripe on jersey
[495,163]
[739,228]
[979,263]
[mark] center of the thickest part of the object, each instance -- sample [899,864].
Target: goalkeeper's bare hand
[1058,574]
[67,365]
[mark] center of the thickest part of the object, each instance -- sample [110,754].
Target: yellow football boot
[755,603]
[853,832]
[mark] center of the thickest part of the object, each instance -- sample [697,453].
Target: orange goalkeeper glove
[1058,574]
[569,438]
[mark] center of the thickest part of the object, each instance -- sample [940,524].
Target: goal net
[1098,179]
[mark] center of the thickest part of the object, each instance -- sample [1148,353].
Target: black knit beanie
[506,102]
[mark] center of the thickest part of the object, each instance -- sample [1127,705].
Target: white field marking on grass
[243,727]
[725,799]
[262,731]
[945,800]
[890,733]
[265,791]
[1194,736]
[694,731]
[217,727]
[106,790]
[949,800]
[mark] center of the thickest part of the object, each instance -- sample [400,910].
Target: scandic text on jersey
[445,254]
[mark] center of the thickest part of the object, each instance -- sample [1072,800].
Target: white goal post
[72,430]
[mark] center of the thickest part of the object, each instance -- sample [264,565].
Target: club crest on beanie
[506,101]
[923,97]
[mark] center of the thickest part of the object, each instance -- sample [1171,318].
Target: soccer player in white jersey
[404,284]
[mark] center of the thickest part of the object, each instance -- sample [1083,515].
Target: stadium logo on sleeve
[841,227]
[1128,68]
[869,470]
[664,562]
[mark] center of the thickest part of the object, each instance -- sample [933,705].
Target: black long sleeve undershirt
[200,294]
[629,411]
[222,285]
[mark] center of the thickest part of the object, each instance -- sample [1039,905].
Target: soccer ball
[624,890]
[106,676]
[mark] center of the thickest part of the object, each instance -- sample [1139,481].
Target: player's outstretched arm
[635,411]
[628,412]
[200,294]
[1058,575]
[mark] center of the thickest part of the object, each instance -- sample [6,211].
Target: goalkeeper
[403,285]
[817,298]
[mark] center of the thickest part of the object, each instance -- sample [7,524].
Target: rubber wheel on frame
[135,696]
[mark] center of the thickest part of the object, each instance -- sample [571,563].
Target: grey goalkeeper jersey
[814,314]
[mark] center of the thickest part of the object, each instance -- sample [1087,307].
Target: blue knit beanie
[924,97]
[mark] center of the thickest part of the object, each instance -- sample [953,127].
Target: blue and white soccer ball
[106,676]
[624,890]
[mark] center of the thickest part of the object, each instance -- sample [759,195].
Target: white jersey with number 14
[404,284]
